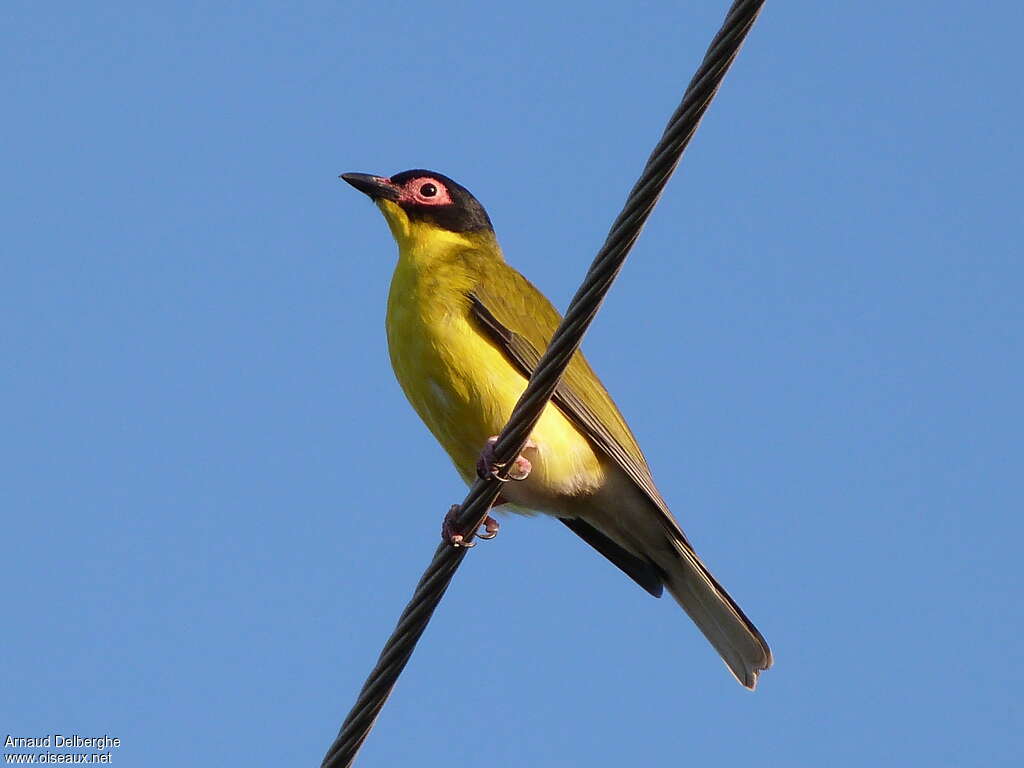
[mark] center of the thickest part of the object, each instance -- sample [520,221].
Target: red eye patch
[425,191]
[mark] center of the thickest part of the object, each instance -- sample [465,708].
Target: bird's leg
[487,467]
[456,539]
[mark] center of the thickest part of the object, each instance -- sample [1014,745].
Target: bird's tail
[732,634]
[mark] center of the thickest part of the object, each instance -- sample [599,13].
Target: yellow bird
[464,332]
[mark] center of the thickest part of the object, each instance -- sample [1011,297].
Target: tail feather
[732,634]
[621,523]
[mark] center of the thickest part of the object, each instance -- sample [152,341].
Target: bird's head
[420,203]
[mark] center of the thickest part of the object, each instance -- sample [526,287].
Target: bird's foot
[450,535]
[519,469]
[490,529]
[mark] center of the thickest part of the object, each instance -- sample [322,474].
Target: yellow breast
[464,388]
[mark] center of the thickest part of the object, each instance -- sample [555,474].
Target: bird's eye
[428,190]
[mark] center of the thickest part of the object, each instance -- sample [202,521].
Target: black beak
[377,187]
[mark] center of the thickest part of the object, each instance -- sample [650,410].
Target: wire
[566,340]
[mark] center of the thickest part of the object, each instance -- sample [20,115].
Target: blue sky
[216,500]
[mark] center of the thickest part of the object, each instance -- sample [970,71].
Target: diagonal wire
[564,343]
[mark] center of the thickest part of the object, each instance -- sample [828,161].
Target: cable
[564,343]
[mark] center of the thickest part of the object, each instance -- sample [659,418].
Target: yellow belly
[464,389]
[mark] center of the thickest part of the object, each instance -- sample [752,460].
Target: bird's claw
[490,529]
[456,539]
[518,469]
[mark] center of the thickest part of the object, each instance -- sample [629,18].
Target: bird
[464,331]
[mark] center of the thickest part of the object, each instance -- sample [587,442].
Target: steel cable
[566,340]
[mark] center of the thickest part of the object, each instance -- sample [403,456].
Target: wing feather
[523,335]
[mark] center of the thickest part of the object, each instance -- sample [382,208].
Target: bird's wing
[521,322]
[522,333]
